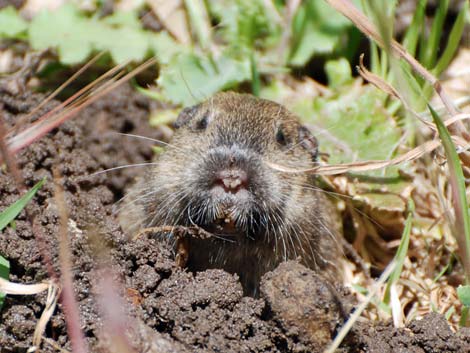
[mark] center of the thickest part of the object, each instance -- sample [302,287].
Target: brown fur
[281,216]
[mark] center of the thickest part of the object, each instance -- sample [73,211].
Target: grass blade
[453,42]
[459,198]
[432,44]
[410,42]
[13,210]
[401,252]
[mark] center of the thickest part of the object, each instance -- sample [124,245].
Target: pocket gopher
[215,174]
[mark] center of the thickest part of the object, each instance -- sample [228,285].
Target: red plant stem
[72,316]
[8,157]
[115,321]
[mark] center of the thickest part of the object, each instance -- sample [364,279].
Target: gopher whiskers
[336,195]
[189,150]
[138,196]
[160,142]
[119,167]
[168,205]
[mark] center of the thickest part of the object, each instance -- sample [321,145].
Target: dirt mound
[168,309]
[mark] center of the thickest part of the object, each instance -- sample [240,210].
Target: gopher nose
[231,180]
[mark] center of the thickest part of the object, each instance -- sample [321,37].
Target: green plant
[244,46]
[316,30]
[418,43]
[6,217]
[461,226]
[4,273]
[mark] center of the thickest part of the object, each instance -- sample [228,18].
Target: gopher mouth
[224,224]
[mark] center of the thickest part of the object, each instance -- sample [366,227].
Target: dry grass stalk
[53,294]
[348,9]
[384,86]
[357,313]
[11,288]
[54,345]
[363,166]
[80,100]
[62,86]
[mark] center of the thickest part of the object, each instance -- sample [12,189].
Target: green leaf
[157,149]
[165,47]
[4,273]
[4,267]
[316,28]
[127,19]
[338,72]
[11,23]
[13,210]
[359,289]
[463,292]
[191,78]
[449,312]
[164,117]
[124,44]
[76,36]
[245,23]
[383,14]
[64,29]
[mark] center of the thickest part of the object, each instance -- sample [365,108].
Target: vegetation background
[387,157]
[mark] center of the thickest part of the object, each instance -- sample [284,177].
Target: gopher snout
[232,180]
[231,168]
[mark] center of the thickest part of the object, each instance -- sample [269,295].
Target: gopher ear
[308,141]
[186,115]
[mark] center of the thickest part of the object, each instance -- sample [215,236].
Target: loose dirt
[163,308]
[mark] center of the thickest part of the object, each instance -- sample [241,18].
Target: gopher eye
[202,123]
[280,137]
